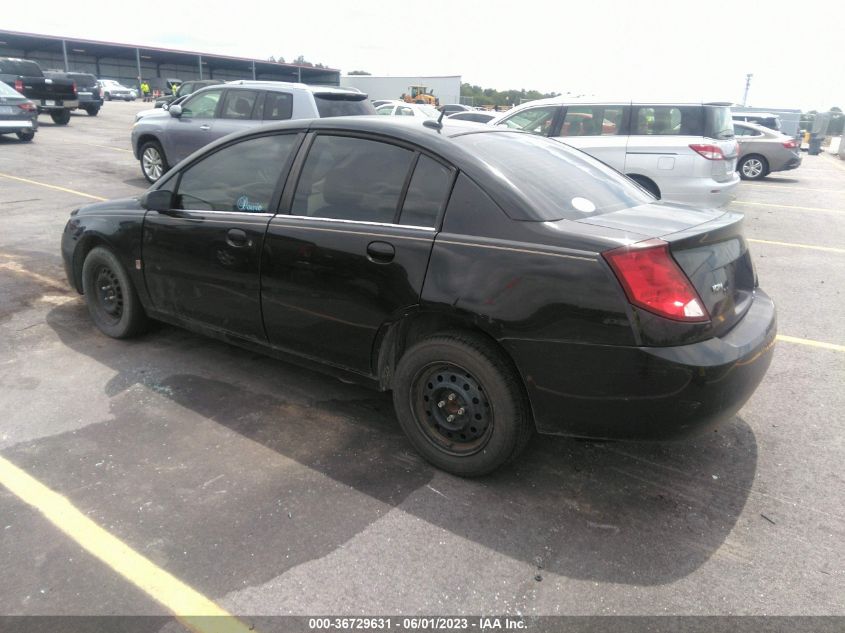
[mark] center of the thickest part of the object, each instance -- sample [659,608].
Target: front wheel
[461,404]
[111,298]
[153,162]
[26,135]
[60,117]
[753,167]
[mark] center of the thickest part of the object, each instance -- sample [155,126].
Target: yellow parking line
[827,249]
[785,206]
[189,606]
[57,188]
[811,343]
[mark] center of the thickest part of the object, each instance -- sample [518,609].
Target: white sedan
[408,109]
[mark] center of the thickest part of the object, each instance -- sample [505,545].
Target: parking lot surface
[270,489]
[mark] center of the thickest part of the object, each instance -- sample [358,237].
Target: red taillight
[653,281]
[27,106]
[74,87]
[710,152]
[19,85]
[790,144]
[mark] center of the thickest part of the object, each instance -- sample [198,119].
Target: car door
[353,252]
[192,129]
[597,129]
[241,109]
[201,258]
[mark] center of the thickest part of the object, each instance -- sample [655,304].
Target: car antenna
[436,125]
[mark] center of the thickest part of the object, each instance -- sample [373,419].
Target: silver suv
[161,140]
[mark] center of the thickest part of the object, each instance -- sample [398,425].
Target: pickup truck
[57,97]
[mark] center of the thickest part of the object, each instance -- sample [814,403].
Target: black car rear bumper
[618,392]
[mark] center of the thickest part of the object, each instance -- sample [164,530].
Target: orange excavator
[420,94]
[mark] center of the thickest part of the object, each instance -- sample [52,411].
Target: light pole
[747,86]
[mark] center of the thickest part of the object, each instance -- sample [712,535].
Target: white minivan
[680,152]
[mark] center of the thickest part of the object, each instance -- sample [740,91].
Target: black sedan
[18,115]
[497,282]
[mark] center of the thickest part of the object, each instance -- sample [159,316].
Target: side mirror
[175,110]
[165,106]
[159,200]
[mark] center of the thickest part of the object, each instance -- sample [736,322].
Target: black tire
[753,167]
[461,404]
[26,135]
[647,184]
[153,161]
[111,298]
[92,111]
[107,96]
[60,117]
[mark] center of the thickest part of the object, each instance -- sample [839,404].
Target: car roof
[567,100]
[288,85]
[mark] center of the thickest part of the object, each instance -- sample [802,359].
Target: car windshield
[7,91]
[558,181]
[719,122]
[429,111]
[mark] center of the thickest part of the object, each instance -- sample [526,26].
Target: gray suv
[161,140]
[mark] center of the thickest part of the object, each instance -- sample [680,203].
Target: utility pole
[747,86]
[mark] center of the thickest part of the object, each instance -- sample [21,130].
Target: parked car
[679,152]
[18,115]
[762,151]
[163,139]
[452,108]
[56,97]
[185,89]
[115,90]
[475,116]
[381,102]
[409,109]
[88,91]
[766,119]
[495,281]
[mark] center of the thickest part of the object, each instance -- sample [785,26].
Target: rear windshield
[22,67]
[557,181]
[719,122]
[83,80]
[339,104]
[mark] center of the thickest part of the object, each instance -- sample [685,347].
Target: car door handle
[205,126]
[380,252]
[236,238]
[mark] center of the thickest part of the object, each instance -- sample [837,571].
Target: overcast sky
[676,49]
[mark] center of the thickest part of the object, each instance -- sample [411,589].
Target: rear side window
[239,104]
[352,179]
[668,121]
[240,177]
[592,121]
[278,106]
[427,193]
[343,105]
[21,67]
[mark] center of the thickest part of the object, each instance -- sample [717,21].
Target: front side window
[278,106]
[201,106]
[534,120]
[427,193]
[240,177]
[350,178]
[239,104]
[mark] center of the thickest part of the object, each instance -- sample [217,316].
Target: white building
[445,88]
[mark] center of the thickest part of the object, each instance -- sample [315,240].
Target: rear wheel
[92,111]
[26,135]
[753,167]
[111,298]
[153,162]
[461,404]
[60,117]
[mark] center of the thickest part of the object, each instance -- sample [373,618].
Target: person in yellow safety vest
[145,90]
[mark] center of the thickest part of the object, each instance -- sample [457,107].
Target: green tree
[358,72]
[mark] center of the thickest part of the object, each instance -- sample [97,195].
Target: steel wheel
[109,294]
[152,163]
[451,408]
